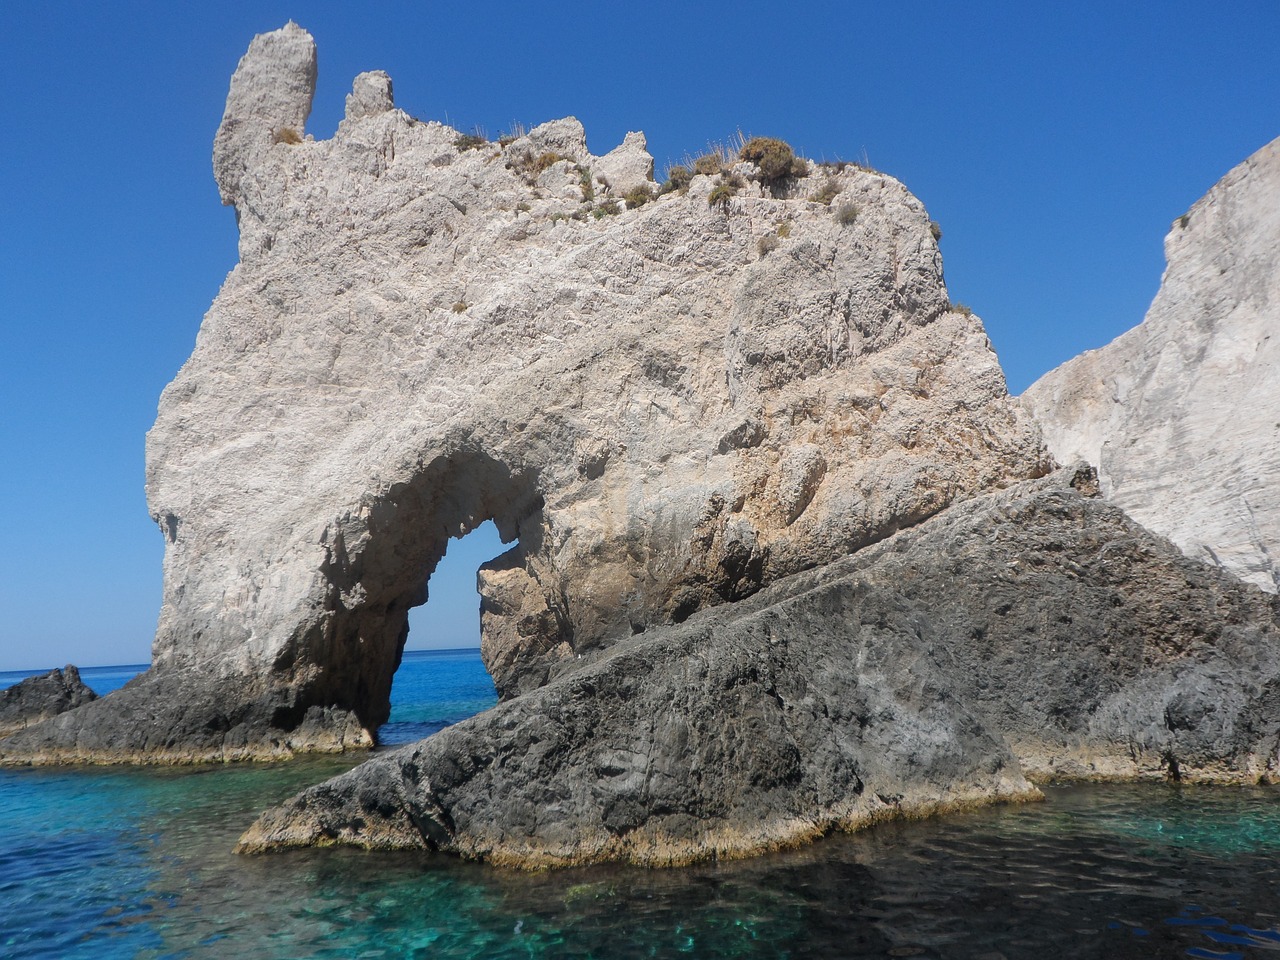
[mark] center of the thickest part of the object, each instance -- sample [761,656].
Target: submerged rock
[1034,632]
[38,698]
[427,330]
[1182,413]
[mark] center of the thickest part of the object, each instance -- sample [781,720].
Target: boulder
[1181,414]
[38,698]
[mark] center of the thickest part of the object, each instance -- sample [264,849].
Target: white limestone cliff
[1181,415]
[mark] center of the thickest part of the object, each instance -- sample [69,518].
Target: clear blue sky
[1054,143]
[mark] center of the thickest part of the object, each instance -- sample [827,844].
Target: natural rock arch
[359,641]
[423,332]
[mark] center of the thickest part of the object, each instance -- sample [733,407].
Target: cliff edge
[1181,414]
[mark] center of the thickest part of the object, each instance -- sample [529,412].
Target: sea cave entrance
[441,678]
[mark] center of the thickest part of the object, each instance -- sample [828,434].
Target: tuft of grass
[677,181]
[545,161]
[286,135]
[784,229]
[846,214]
[935,230]
[587,183]
[767,244]
[468,141]
[639,196]
[721,196]
[961,308]
[524,206]
[460,306]
[829,190]
[708,165]
[509,137]
[607,209]
[774,158]
[530,167]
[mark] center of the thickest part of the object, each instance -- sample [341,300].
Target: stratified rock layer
[425,332]
[35,699]
[1182,413]
[1033,630]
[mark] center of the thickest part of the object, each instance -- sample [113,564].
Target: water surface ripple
[113,862]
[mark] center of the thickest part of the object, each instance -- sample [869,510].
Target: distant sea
[123,862]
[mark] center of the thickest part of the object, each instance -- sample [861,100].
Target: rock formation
[1182,413]
[38,698]
[1031,631]
[663,405]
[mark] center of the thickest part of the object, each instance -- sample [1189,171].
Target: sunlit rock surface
[1182,413]
[660,412]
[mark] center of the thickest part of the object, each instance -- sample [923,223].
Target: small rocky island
[785,555]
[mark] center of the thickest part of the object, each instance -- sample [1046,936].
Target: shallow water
[125,863]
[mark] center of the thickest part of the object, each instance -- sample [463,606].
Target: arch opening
[441,678]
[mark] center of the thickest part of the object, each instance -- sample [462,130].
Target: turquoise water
[137,863]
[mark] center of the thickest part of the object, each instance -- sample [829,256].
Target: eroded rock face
[424,332]
[1182,413]
[1035,632]
[35,699]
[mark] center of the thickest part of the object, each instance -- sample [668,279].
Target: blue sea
[122,862]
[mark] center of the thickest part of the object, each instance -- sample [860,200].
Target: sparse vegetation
[774,158]
[460,306]
[544,161]
[768,243]
[935,230]
[523,206]
[961,308]
[678,178]
[607,209]
[846,214]
[721,196]
[286,135]
[468,141]
[531,167]
[829,190]
[587,183]
[638,196]
[517,131]
[784,229]
[708,165]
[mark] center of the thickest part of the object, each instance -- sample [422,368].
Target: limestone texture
[38,698]
[426,331]
[1182,413]
[1031,633]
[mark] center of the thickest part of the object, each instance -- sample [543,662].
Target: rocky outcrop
[1182,413]
[38,698]
[663,405]
[1036,631]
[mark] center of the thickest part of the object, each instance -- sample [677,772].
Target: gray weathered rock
[1182,413]
[269,102]
[423,334]
[1033,630]
[38,698]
